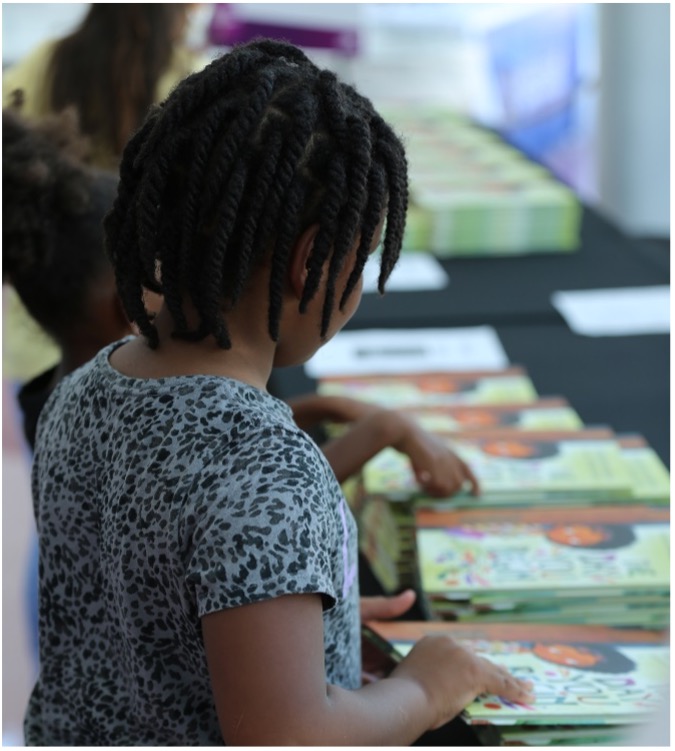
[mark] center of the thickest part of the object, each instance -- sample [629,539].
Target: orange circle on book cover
[478,418]
[511,449]
[577,535]
[567,655]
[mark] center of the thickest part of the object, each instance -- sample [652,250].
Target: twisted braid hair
[240,159]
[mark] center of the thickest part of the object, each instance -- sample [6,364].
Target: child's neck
[249,360]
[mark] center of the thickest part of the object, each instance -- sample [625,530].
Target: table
[622,382]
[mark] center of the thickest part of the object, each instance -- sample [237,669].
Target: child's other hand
[386,608]
[452,677]
[438,469]
[374,663]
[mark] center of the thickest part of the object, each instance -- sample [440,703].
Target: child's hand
[452,677]
[386,608]
[438,469]
[374,664]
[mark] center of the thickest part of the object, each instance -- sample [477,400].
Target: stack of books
[559,570]
[508,386]
[571,564]
[553,413]
[472,194]
[592,683]
[518,467]
[531,455]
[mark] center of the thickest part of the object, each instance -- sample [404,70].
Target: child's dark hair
[52,209]
[238,161]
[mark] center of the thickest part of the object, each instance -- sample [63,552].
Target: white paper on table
[616,312]
[381,351]
[413,271]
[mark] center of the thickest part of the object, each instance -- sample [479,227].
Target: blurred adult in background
[120,60]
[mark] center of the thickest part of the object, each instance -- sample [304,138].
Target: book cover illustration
[581,674]
[561,552]
[553,413]
[510,385]
[515,468]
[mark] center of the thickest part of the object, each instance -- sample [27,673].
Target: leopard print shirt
[157,502]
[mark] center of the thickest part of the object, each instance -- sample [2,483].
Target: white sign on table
[388,351]
[623,311]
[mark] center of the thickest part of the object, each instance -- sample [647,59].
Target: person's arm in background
[438,469]
[311,409]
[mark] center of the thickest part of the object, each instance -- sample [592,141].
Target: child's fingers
[471,478]
[447,478]
[384,608]
[500,681]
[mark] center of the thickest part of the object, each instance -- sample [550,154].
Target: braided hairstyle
[52,210]
[226,173]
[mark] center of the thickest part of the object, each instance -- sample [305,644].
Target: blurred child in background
[122,58]
[52,241]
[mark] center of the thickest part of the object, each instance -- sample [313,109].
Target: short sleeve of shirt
[262,521]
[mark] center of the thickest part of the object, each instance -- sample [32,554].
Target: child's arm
[311,409]
[438,469]
[267,672]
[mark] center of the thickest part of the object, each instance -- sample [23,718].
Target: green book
[583,676]
[552,413]
[524,554]
[517,469]
[457,387]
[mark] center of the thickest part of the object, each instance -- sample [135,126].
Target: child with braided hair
[52,236]
[198,560]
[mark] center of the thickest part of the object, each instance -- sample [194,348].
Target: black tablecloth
[517,289]
[622,382]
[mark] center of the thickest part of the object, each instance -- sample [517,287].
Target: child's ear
[297,267]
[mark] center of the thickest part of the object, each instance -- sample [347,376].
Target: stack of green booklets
[559,570]
[527,452]
[519,468]
[552,413]
[592,683]
[472,194]
[508,386]
[573,564]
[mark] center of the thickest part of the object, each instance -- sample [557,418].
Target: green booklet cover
[457,387]
[582,675]
[561,552]
[517,468]
[553,413]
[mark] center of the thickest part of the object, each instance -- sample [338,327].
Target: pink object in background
[228,29]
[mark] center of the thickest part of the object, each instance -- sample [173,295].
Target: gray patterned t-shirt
[158,501]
